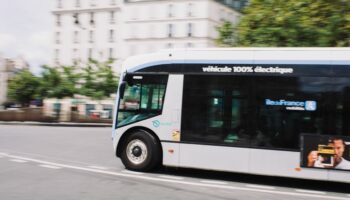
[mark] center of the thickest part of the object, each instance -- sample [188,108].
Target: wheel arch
[121,142]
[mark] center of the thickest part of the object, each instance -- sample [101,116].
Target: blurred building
[154,25]
[235,4]
[117,29]
[8,68]
[86,29]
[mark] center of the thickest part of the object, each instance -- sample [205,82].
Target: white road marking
[171,177]
[213,182]
[18,160]
[50,166]
[132,172]
[311,191]
[98,167]
[229,187]
[261,187]
[4,154]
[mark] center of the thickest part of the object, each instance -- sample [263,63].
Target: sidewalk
[63,124]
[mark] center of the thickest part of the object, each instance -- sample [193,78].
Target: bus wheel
[141,151]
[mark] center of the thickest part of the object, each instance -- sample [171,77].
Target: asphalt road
[38,162]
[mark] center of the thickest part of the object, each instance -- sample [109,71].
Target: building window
[190,10]
[76,18]
[92,2]
[112,17]
[57,55]
[77,3]
[76,37]
[58,34]
[75,56]
[92,18]
[111,35]
[90,53]
[58,20]
[59,3]
[91,36]
[170,10]
[189,29]
[111,52]
[222,14]
[237,4]
[170,30]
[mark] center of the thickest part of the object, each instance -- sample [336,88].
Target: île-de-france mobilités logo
[156,123]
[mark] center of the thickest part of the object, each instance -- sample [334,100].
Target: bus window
[215,112]
[218,107]
[289,106]
[341,105]
[142,99]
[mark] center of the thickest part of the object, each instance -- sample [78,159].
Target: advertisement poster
[327,152]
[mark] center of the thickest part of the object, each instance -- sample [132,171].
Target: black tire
[141,151]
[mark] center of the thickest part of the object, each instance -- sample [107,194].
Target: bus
[267,111]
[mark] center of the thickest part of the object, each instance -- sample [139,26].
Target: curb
[58,124]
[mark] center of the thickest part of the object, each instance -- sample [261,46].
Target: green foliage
[226,34]
[23,87]
[294,23]
[96,80]
[58,82]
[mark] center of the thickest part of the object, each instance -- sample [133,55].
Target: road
[39,162]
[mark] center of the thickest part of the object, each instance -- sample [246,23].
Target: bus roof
[325,56]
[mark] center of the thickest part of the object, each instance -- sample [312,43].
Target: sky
[25,30]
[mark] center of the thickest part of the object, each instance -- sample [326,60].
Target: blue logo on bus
[156,123]
[310,105]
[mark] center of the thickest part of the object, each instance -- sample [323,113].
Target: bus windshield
[143,98]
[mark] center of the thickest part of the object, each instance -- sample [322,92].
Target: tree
[226,34]
[108,80]
[98,79]
[289,23]
[23,87]
[58,82]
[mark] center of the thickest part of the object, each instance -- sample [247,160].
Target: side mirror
[122,90]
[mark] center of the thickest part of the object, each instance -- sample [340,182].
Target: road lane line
[18,160]
[213,182]
[171,177]
[132,172]
[148,178]
[98,167]
[310,191]
[261,187]
[50,166]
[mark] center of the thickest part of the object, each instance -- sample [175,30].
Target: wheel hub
[137,151]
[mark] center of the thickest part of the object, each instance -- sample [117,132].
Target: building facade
[117,29]
[86,29]
[173,24]
[8,68]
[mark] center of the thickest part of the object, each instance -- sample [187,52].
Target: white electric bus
[248,110]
